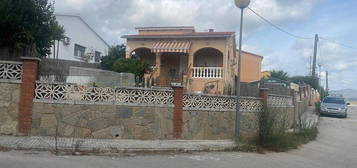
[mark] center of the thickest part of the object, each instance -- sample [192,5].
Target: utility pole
[319,79]
[327,82]
[314,58]
[310,68]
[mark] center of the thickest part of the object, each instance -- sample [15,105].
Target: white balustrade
[207,72]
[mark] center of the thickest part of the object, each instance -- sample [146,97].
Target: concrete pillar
[293,94]
[158,64]
[189,71]
[29,74]
[159,79]
[300,92]
[178,111]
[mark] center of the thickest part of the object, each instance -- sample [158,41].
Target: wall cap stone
[31,58]
[10,62]
[10,81]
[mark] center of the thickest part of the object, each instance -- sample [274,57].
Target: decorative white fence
[280,101]
[10,70]
[71,93]
[221,103]
[75,94]
[207,72]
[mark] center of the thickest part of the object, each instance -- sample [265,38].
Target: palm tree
[280,74]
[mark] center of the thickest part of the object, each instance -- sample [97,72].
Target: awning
[171,46]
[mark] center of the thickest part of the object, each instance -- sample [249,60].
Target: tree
[28,23]
[280,74]
[115,53]
[310,80]
[131,65]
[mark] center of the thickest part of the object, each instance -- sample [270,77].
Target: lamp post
[240,4]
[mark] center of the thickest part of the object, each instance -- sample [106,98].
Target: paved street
[336,146]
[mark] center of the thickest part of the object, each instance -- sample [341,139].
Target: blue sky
[329,20]
[332,19]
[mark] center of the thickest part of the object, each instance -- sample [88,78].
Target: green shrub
[130,65]
[318,106]
[273,135]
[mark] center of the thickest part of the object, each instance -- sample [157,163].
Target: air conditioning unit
[67,41]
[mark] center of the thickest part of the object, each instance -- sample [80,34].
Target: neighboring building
[200,61]
[251,66]
[80,40]
[265,74]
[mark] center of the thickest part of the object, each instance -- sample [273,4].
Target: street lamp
[240,4]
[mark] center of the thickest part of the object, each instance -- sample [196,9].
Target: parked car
[334,106]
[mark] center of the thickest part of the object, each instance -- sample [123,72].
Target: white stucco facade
[80,33]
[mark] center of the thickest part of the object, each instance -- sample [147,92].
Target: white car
[334,106]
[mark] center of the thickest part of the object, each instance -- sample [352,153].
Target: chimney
[210,30]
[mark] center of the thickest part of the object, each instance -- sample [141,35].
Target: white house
[80,39]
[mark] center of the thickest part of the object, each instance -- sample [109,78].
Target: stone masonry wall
[208,125]
[283,117]
[129,122]
[9,109]
[102,121]
[217,125]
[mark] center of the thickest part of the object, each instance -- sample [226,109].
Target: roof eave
[182,36]
[251,54]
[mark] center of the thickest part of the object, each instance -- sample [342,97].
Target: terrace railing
[207,72]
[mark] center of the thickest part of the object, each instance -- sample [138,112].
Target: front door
[173,66]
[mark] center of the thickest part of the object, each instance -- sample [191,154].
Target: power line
[338,43]
[278,28]
[299,37]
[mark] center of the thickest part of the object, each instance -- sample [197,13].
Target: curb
[113,146]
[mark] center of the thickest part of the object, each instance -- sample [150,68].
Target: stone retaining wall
[208,125]
[9,109]
[102,121]
[130,122]
[218,125]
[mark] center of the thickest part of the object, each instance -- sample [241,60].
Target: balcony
[207,72]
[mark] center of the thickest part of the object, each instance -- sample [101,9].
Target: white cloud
[204,14]
[113,18]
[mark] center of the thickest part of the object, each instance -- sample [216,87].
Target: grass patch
[279,142]
[287,141]
[4,149]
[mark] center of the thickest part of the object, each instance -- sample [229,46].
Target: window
[97,56]
[334,100]
[79,50]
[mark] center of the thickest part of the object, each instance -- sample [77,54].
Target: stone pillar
[29,74]
[263,93]
[178,111]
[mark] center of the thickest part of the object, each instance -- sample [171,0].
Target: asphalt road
[335,147]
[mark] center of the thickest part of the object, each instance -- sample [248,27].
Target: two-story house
[80,39]
[197,60]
